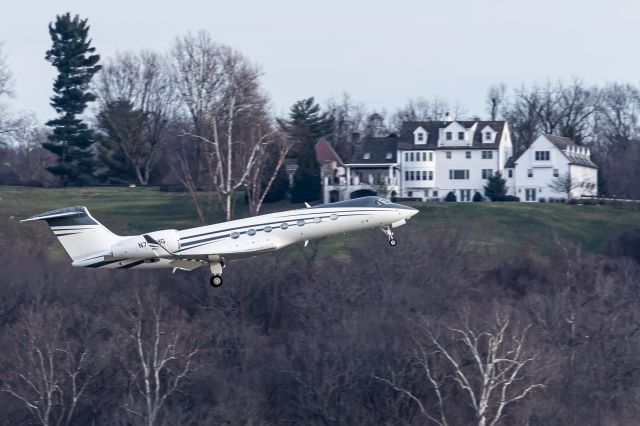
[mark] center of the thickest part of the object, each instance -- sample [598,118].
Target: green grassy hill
[491,228]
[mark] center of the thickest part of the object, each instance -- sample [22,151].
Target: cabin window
[251,232]
[267,229]
[235,235]
[300,222]
[333,216]
[284,225]
[317,220]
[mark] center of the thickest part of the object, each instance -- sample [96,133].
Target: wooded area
[429,332]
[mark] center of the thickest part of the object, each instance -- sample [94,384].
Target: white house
[555,167]
[438,157]
[429,159]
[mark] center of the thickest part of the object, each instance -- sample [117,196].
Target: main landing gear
[216,267]
[389,233]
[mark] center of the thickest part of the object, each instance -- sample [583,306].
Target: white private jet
[91,245]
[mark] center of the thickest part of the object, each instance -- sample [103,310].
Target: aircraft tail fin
[78,232]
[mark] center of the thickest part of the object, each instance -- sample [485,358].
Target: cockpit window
[382,202]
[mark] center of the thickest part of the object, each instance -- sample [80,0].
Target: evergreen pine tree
[496,187]
[71,139]
[306,125]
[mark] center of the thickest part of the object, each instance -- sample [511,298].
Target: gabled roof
[433,130]
[562,143]
[378,148]
[326,153]
[511,163]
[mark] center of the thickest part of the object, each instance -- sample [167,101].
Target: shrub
[542,200]
[477,197]
[509,198]
[451,197]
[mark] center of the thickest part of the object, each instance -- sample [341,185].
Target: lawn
[490,228]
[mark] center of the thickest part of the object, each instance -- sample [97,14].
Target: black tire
[215,281]
[392,242]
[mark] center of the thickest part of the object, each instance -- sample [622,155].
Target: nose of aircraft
[407,212]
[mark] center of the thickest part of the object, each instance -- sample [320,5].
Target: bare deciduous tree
[495,98]
[142,82]
[158,353]
[565,184]
[489,367]
[50,371]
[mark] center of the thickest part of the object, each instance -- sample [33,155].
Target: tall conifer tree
[308,124]
[71,140]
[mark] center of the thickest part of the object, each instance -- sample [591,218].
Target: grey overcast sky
[381,52]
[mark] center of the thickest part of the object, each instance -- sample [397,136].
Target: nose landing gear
[389,233]
[216,267]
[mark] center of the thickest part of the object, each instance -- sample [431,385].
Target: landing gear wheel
[392,242]
[215,281]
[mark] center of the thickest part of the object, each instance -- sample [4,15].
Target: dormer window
[487,136]
[420,136]
[366,156]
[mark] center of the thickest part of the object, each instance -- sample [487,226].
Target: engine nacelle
[149,245]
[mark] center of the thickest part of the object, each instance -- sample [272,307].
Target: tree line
[199,116]
[427,333]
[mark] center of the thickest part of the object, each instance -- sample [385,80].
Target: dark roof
[510,164]
[378,148]
[326,153]
[433,130]
[562,143]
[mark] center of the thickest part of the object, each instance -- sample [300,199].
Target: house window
[487,136]
[409,193]
[431,156]
[420,136]
[467,154]
[366,156]
[487,155]
[411,156]
[435,193]
[460,136]
[406,175]
[424,156]
[424,175]
[530,173]
[487,173]
[458,174]
[411,175]
[448,153]
[406,156]
[417,174]
[430,174]
[542,155]
[389,155]
[449,136]
[556,173]
[510,173]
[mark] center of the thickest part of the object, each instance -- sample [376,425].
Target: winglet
[307,204]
